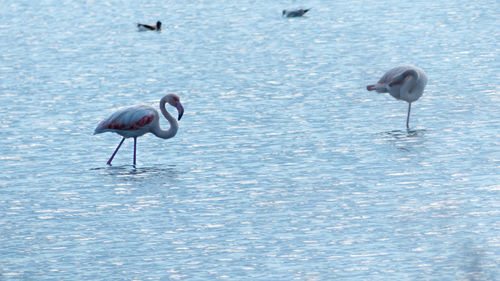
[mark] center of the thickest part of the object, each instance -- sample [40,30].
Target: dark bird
[294,13]
[147,27]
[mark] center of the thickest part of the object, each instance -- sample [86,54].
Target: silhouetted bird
[147,27]
[294,13]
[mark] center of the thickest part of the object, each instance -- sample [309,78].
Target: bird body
[130,122]
[294,13]
[147,27]
[403,83]
[135,121]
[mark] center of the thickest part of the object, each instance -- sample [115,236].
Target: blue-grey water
[284,166]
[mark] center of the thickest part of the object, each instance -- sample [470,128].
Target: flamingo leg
[408,117]
[114,153]
[135,145]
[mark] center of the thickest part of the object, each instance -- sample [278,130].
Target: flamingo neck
[166,134]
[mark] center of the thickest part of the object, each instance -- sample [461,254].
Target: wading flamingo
[403,83]
[147,27]
[138,120]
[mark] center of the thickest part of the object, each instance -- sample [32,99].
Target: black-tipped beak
[180,109]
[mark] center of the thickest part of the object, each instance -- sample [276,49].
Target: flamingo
[147,27]
[403,83]
[294,13]
[138,120]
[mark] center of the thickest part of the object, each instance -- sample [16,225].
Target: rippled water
[284,166]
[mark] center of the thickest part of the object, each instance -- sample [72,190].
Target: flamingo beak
[180,109]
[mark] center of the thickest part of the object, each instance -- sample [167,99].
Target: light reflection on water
[284,167]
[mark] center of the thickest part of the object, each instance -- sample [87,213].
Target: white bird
[403,83]
[138,120]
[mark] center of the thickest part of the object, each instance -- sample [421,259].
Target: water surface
[284,166]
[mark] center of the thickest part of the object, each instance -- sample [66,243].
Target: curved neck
[409,82]
[171,120]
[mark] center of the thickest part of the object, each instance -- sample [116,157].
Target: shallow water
[284,166]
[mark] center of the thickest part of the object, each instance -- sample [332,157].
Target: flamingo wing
[388,83]
[128,119]
[390,75]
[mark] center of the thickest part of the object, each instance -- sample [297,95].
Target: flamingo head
[175,101]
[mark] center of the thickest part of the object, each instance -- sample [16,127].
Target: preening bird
[138,120]
[147,27]
[403,83]
[294,13]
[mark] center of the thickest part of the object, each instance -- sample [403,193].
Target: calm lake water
[284,166]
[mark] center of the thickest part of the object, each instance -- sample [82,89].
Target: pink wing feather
[128,119]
